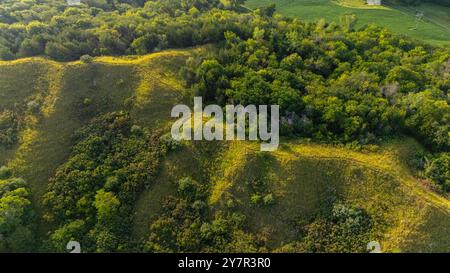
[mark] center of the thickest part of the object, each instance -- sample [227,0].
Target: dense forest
[334,83]
[52,28]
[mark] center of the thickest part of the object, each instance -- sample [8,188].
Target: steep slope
[302,177]
[68,95]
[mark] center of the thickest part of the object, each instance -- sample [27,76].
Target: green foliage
[255,199]
[190,189]
[86,59]
[333,83]
[212,81]
[268,10]
[428,117]
[72,231]
[65,33]
[268,199]
[15,215]
[349,21]
[6,54]
[111,164]
[438,169]
[169,143]
[396,17]
[353,219]
[9,126]
[184,227]
[345,229]
[107,205]
[5,172]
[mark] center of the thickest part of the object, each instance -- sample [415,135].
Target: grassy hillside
[304,176]
[435,27]
[301,176]
[70,94]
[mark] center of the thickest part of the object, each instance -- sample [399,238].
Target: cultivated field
[433,28]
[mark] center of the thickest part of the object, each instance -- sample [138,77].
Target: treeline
[335,84]
[62,32]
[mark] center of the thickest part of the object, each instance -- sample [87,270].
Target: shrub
[268,199]
[169,143]
[9,126]
[438,169]
[255,199]
[345,229]
[87,59]
[353,219]
[33,106]
[5,172]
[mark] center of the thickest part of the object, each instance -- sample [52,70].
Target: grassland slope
[302,176]
[70,94]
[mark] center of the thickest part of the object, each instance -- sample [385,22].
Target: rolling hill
[302,176]
[69,95]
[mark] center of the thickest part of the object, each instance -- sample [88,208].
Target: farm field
[434,28]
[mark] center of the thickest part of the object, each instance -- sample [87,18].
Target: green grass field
[434,29]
